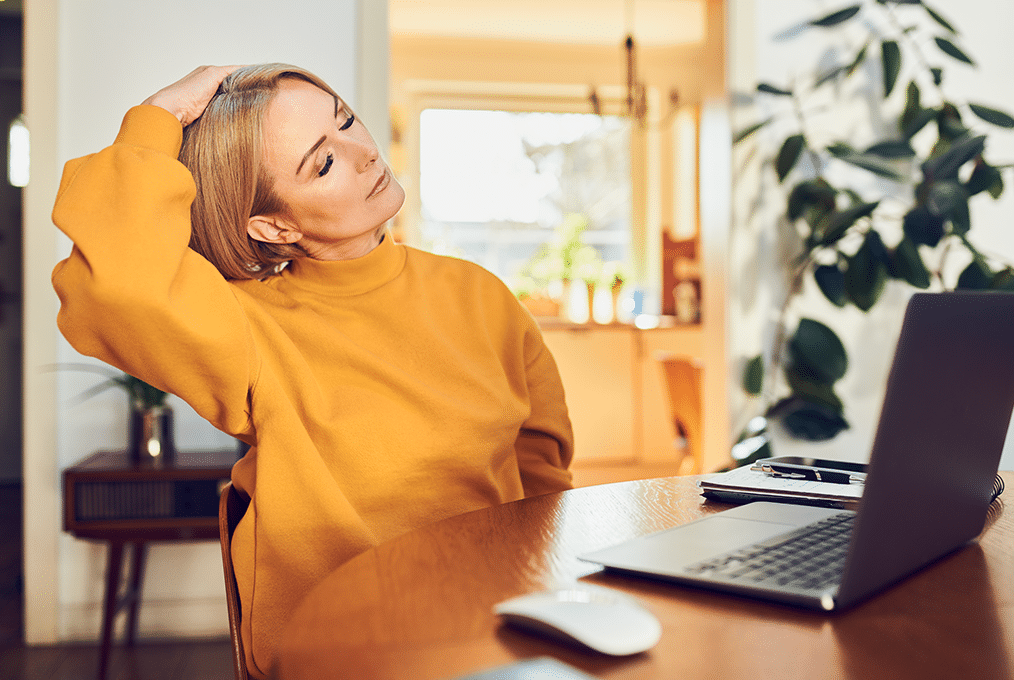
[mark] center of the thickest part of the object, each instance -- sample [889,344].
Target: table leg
[140,556]
[113,573]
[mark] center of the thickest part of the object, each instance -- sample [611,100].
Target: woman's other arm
[545,444]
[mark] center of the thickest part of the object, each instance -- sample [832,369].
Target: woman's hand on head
[188,97]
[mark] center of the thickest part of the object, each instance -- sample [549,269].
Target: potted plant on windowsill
[150,433]
[613,278]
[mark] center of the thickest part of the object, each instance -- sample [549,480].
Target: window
[495,172]
[497,186]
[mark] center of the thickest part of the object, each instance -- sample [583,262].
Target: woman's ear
[271,230]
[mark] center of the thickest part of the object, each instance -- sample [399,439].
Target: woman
[379,387]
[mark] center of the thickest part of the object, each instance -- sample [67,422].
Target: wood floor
[172,660]
[176,660]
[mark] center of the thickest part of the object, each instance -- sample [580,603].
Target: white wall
[87,63]
[760,246]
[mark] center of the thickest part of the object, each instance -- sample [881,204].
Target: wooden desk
[420,606]
[109,498]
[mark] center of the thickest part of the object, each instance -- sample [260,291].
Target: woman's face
[328,171]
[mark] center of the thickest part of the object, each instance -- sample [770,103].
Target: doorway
[11,41]
[11,513]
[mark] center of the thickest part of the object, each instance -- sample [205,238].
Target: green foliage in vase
[852,243]
[142,395]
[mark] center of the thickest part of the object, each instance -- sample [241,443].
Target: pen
[811,474]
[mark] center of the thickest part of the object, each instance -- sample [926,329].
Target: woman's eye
[327,165]
[348,123]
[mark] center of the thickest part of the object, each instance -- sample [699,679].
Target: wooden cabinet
[615,390]
[108,497]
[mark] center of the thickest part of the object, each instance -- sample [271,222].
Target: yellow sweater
[379,394]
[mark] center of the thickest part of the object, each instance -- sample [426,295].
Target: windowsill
[645,322]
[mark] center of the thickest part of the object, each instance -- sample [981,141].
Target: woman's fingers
[188,97]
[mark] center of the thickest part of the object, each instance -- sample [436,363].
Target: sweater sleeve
[132,292]
[545,444]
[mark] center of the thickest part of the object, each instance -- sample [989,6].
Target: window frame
[644,255]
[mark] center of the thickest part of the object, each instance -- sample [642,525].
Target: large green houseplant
[855,234]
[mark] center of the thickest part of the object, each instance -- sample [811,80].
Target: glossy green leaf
[952,50]
[938,75]
[788,155]
[982,178]
[949,123]
[939,19]
[771,89]
[908,264]
[835,18]
[747,131]
[812,391]
[812,193]
[996,188]
[840,149]
[976,276]
[947,164]
[817,352]
[831,281]
[892,149]
[865,277]
[944,196]
[877,166]
[913,101]
[960,217]
[1003,280]
[814,422]
[994,116]
[923,227]
[839,222]
[753,375]
[877,247]
[890,55]
[917,122]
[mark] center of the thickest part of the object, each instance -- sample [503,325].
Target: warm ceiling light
[17,153]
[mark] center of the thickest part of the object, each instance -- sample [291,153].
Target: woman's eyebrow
[309,153]
[320,141]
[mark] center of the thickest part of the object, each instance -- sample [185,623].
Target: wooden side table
[107,497]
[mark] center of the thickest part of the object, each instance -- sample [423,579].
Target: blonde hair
[223,150]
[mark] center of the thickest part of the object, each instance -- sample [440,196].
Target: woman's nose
[364,152]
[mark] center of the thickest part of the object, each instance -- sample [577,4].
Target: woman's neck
[349,249]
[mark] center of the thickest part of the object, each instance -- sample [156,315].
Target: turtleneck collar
[349,277]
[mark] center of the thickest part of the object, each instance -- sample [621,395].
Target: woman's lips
[381,184]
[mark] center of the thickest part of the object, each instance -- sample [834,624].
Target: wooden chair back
[683,385]
[231,507]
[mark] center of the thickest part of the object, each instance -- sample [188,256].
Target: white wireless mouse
[605,620]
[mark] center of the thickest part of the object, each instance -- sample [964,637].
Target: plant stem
[814,157]
[893,18]
[778,344]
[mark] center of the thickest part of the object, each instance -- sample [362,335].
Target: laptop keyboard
[811,557]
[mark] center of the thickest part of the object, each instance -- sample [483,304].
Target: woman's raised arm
[132,293]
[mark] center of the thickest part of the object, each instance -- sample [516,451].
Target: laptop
[929,484]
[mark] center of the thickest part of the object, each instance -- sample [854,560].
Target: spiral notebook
[744,484]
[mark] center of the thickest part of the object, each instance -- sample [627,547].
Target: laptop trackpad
[669,551]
